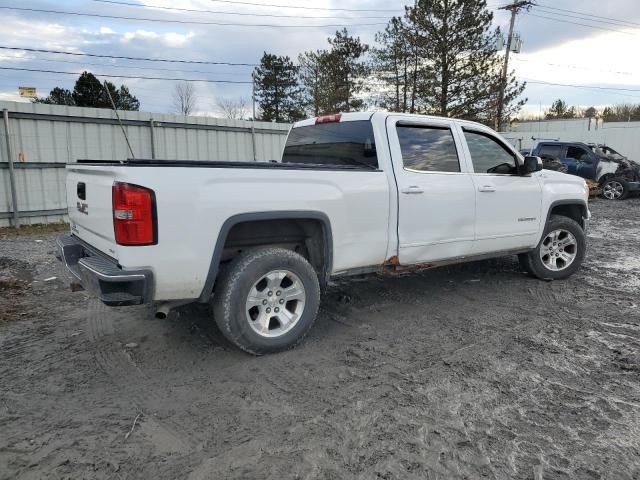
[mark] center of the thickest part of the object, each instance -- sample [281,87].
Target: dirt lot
[473,371]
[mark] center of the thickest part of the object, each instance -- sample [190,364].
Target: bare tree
[184,98]
[233,109]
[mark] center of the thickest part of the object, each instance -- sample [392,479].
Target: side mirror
[531,164]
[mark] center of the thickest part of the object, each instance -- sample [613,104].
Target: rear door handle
[413,189]
[487,188]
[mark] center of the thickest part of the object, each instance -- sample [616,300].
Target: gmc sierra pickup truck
[353,193]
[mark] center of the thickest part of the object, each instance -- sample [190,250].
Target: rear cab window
[337,144]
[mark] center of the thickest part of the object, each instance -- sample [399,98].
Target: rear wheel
[266,300]
[560,252]
[615,189]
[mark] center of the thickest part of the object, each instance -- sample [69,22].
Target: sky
[591,43]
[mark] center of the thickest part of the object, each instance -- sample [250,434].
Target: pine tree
[333,80]
[125,101]
[57,96]
[394,64]
[560,109]
[89,92]
[345,73]
[313,81]
[459,65]
[277,89]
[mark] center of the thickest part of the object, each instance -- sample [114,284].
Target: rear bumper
[102,276]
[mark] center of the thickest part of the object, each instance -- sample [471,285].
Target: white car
[353,193]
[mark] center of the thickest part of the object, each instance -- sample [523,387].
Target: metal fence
[623,137]
[36,141]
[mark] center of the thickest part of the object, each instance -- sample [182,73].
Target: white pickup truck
[353,193]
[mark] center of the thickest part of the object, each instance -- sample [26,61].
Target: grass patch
[37,229]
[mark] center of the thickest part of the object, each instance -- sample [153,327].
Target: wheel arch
[605,177]
[296,215]
[575,209]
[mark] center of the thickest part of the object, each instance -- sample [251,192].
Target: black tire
[532,262]
[239,278]
[617,182]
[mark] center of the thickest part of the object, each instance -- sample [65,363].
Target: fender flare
[230,222]
[581,203]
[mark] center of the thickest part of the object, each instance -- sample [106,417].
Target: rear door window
[428,149]
[550,151]
[348,144]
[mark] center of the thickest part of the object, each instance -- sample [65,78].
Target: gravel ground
[472,371]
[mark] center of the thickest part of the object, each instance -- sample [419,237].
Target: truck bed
[194,199]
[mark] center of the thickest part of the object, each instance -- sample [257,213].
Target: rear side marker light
[135,220]
[329,118]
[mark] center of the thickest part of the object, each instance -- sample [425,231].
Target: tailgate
[90,205]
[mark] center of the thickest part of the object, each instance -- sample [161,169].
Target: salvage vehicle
[617,175]
[352,194]
[549,162]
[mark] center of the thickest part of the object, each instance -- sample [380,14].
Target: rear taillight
[134,215]
[329,118]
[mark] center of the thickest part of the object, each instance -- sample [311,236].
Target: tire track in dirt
[134,384]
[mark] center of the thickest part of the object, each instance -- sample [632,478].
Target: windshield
[339,143]
[606,152]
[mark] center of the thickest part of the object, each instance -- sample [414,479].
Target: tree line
[89,92]
[439,58]
[623,112]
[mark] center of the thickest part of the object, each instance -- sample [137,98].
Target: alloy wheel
[275,303]
[558,250]
[613,190]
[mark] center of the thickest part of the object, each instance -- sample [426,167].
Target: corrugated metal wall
[52,135]
[623,137]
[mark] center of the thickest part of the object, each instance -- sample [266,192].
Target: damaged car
[549,162]
[616,174]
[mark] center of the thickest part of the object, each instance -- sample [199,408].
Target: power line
[135,67]
[576,67]
[591,87]
[581,17]
[130,76]
[370,82]
[187,22]
[576,23]
[193,10]
[589,15]
[145,59]
[235,2]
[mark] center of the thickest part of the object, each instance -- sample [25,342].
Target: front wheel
[615,189]
[266,300]
[560,252]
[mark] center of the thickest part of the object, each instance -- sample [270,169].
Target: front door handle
[413,189]
[487,188]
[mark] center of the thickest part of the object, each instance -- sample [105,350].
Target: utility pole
[515,7]
[253,118]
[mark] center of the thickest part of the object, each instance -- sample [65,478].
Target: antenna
[113,105]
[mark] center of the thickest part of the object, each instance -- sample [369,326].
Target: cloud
[546,42]
[593,60]
[170,39]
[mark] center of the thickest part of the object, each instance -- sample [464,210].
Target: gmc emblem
[83,208]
